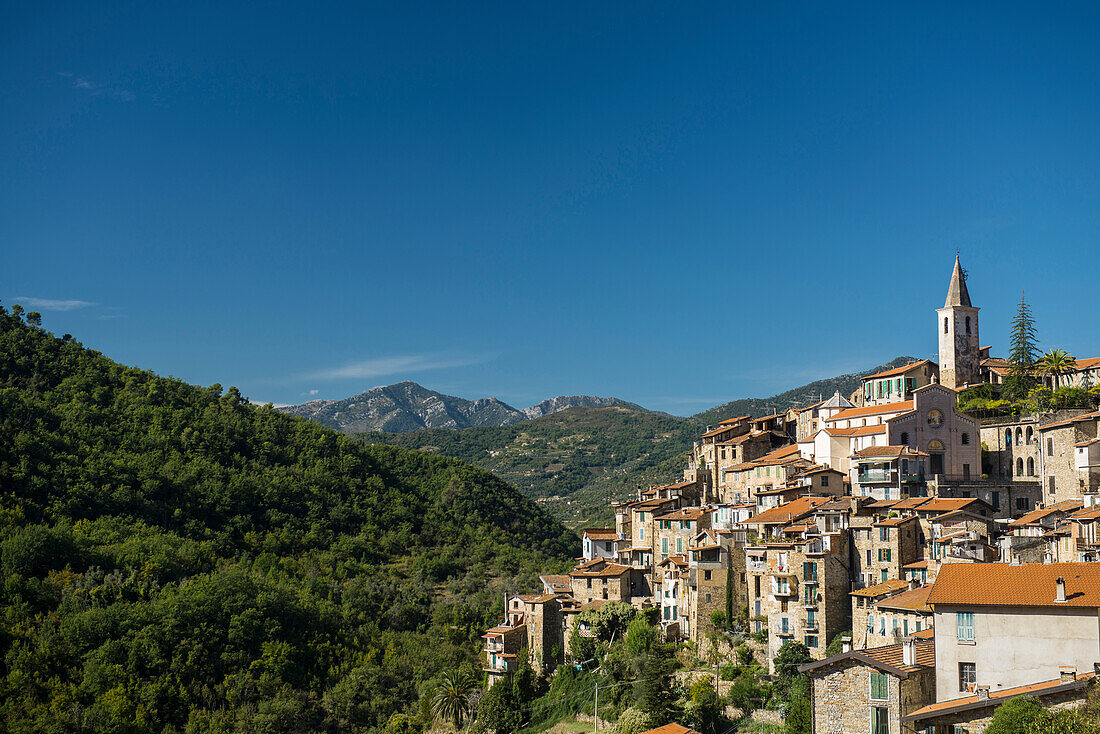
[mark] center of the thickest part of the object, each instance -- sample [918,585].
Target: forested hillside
[176,559]
[795,397]
[570,461]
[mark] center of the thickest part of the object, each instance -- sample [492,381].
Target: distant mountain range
[407,406]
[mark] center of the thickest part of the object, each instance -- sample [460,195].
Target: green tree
[799,717]
[654,696]
[1014,716]
[790,656]
[1021,358]
[499,710]
[451,699]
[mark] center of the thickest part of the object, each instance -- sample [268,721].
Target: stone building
[804,591]
[1002,626]
[936,428]
[889,472]
[601,543]
[1059,442]
[604,580]
[882,549]
[883,614]
[673,531]
[957,325]
[872,690]
[1012,449]
[716,566]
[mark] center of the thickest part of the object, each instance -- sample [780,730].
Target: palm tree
[451,699]
[1056,362]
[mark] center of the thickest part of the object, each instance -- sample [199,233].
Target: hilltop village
[953,556]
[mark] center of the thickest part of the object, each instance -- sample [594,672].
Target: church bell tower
[960,363]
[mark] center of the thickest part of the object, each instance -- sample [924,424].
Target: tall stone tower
[958,329]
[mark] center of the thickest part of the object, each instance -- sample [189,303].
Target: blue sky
[676,204]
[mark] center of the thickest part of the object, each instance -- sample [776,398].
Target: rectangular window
[809,571]
[964,626]
[879,721]
[825,480]
[884,533]
[706,576]
[811,618]
[811,640]
[1050,447]
[679,545]
[664,546]
[786,625]
[879,686]
[967,676]
[885,575]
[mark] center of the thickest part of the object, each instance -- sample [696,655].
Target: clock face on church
[935,417]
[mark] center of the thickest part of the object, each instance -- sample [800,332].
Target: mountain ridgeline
[176,559]
[407,406]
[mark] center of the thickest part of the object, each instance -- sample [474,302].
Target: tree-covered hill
[176,559]
[570,461]
[794,398]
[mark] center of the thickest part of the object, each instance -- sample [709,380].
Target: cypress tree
[1021,359]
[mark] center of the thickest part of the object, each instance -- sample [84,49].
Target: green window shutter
[879,686]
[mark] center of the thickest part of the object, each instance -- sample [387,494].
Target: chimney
[983,692]
[914,583]
[909,651]
[1059,589]
[1067,673]
[846,644]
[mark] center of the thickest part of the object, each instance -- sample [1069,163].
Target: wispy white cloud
[50,304]
[312,392]
[384,366]
[114,91]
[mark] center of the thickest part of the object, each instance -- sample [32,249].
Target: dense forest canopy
[176,559]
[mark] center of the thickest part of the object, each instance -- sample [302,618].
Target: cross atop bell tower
[957,325]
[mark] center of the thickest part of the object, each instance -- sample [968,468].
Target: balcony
[757,566]
[871,476]
[913,478]
[788,590]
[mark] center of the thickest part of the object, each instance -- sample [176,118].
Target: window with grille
[967,676]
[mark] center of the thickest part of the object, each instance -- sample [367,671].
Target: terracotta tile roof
[891,452]
[1088,363]
[588,571]
[1070,421]
[894,521]
[1033,517]
[651,505]
[1090,442]
[995,698]
[917,565]
[1089,513]
[888,659]
[779,456]
[910,503]
[897,370]
[859,431]
[1029,584]
[601,533]
[902,407]
[671,729]
[940,505]
[788,512]
[742,438]
[500,629]
[911,600]
[557,582]
[884,504]
[719,430]
[889,586]
[738,419]
[537,598]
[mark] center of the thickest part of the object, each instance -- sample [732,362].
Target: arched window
[967,324]
[905,438]
[966,439]
[1019,467]
[1030,436]
[1031,467]
[944,324]
[1019,436]
[1008,437]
